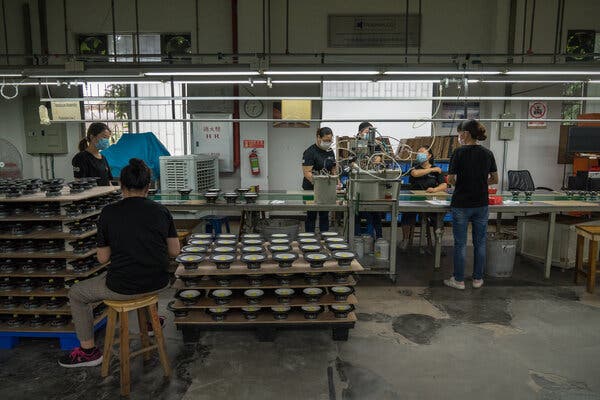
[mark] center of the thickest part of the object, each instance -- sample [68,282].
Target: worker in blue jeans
[472,168]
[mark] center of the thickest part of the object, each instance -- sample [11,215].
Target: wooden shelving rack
[205,279]
[43,285]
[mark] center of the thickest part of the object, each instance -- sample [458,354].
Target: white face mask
[325,145]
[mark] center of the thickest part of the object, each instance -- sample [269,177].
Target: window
[171,134]
[379,109]
[571,109]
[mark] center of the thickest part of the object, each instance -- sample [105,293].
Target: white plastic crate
[197,172]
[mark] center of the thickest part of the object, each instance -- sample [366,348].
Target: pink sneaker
[79,358]
[477,283]
[453,283]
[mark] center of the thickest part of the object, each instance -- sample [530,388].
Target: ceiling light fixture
[201,73]
[550,72]
[331,72]
[425,72]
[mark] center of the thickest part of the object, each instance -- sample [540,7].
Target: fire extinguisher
[254,164]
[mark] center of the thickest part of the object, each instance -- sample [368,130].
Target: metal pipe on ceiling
[319,98]
[5,31]
[363,118]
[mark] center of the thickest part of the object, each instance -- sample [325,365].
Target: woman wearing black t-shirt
[89,163]
[472,169]
[137,236]
[424,176]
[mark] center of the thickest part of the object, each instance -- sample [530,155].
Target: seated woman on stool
[425,176]
[137,236]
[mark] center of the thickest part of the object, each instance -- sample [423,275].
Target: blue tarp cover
[136,145]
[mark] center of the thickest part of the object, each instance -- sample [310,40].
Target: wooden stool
[591,233]
[122,308]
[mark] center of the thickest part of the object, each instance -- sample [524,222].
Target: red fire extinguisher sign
[254,163]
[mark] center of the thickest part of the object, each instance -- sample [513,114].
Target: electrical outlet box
[507,128]
[42,139]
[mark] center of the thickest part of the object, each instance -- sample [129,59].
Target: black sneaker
[79,358]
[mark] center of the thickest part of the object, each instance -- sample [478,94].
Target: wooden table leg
[592,256]
[579,258]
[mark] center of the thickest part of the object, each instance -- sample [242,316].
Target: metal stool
[121,309]
[591,233]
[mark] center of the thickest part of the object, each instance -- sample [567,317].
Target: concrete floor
[522,338]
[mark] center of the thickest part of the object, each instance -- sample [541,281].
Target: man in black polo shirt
[137,236]
[316,159]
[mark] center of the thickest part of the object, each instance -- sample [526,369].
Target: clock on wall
[253,108]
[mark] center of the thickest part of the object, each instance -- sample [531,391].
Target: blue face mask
[103,144]
[421,158]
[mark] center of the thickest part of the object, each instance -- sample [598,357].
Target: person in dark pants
[472,169]
[89,163]
[424,176]
[373,217]
[137,236]
[316,159]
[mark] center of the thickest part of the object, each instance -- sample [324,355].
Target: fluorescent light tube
[332,72]
[202,73]
[548,72]
[442,72]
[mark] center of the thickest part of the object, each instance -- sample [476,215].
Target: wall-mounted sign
[65,110]
[373,30]
[214,138]
[538,111]
[254,144]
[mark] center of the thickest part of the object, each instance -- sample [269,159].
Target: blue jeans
[311,221]
[374,227]
[461,217]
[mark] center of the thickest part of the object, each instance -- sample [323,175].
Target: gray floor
[522,338]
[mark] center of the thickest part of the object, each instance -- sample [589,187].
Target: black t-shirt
[136,229]
[472,166]
[431,180]
[318,159]
[85,165]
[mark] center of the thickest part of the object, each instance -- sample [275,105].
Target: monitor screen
[584,139]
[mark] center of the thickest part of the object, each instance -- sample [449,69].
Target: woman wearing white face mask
[89,163]
[424,176]
[315,159]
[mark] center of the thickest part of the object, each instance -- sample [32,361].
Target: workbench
[550,203]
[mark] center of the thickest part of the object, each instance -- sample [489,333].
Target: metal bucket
[325,188]
[501,251]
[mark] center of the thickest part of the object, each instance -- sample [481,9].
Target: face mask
[325,145]
[103,144]
[421,158]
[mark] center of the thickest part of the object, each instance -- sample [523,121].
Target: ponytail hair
[475,128]
[94,130]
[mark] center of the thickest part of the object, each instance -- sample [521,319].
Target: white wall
[459,26]
[13,130]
